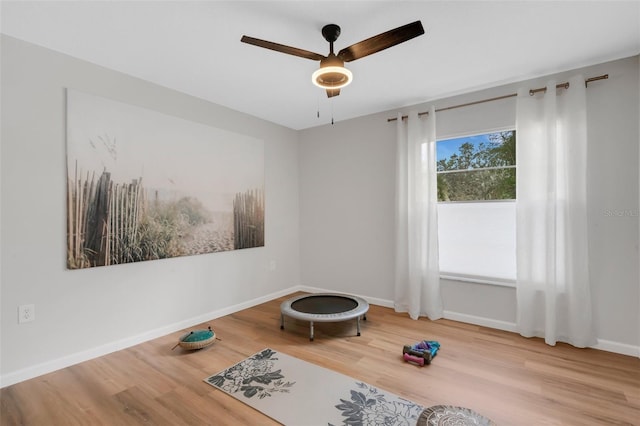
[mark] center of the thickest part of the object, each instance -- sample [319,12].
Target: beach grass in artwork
[143,185]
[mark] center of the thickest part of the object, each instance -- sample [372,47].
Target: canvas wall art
[143,185]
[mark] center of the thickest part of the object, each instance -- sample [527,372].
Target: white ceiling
[194,47]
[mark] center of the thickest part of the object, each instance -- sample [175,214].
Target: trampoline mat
[324,304]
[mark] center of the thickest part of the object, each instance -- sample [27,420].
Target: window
[480,167]
[476,207]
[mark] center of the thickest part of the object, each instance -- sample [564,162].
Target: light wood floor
[512,380]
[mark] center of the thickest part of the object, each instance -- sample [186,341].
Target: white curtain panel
[417,278]
[553,292]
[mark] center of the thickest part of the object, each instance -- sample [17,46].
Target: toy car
[421,353]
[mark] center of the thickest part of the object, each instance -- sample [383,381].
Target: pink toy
[411,358]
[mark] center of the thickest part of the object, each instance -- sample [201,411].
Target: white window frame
[472,277]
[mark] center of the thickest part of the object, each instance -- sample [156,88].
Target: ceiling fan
[332,74]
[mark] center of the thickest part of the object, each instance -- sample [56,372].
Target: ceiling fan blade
[332,92]
[381,41]
[282,48]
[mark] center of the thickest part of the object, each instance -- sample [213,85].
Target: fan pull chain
[332,112]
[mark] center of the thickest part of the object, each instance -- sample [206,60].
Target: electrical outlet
[26,313]
[272,265]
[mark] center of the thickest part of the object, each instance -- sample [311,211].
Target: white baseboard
[485,322]
[372,300]
[76,358]
[66,361]
[603,345]
[619,348]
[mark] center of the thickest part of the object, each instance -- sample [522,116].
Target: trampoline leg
[311,331]
[281,321]
[358,325]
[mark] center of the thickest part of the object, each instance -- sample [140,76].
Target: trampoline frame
[362,306]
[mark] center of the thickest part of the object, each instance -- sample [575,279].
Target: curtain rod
[510,95]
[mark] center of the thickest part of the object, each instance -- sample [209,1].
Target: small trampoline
[324,307]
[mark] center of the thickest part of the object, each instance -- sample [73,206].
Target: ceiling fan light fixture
[332,77]
[332,74]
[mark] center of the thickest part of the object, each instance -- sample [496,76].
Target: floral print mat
[298,393]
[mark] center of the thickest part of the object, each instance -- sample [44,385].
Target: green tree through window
[478,167]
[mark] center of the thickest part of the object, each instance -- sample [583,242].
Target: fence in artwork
[248,219]
[102,220]
[111,223]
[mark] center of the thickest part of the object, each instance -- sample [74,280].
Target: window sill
[501,282]
[506,200]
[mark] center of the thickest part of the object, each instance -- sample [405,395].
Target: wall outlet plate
[26,313]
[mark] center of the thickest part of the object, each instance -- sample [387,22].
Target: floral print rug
[298,393]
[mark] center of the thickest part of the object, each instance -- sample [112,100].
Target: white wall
[346,199]
[82,313]
[329,217]
[347,196]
